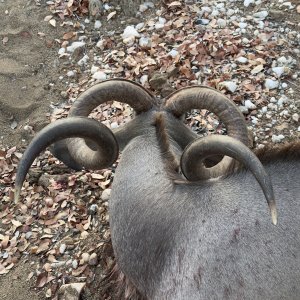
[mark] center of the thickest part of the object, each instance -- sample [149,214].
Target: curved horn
[106,153]
[192,163]
[201,97]
[121,90]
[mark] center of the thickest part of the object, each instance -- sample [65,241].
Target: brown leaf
[41,279]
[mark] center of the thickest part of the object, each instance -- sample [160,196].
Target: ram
[180,228]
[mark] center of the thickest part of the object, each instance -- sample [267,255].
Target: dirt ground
[28,68]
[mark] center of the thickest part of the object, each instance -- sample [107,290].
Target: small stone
[295,117]
[84,235]
[97,24]
[284,86]
[145,42]
[242,60]
[49,202]
[277,138]
[271,84]
[298,128]
[173,53]
[106,194]
[278,71]
[99,75]
[260,14]
[244,109]
[71,291]
[250,105]
[221,23]
[93,261]
[75,45]
[231,86]
[114,125]
[243,25]
[85,257]
[74,264]
[248,2]
[94,69]
[71,74]
[62,248]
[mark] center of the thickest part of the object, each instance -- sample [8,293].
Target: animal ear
[104,153]
[193,168]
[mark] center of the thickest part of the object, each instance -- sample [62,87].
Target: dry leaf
[257,69]
[48,18]
[41,279]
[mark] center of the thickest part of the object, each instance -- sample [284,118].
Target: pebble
[94,69]
[85,257]
[130,32]
[278,71]
[242,25]
[298,128]
[231,86]
[93,261]
[242,60]
[250,105]
[284,86]
[295,117]
[97,24]
[74,264]
[244,109]
[173,53]
[92,210]
[271,84]
[277,138]
[99,75]
[71,74]
[145,42]
[62,248]
[75,45]
[261,14]
[248,2]
[106,194]
[221,23]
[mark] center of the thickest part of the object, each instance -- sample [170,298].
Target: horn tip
[17,194]
[273,211]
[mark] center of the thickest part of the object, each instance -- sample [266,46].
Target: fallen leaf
[111,15]
[52,22]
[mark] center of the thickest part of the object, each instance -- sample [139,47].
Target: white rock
[61,51]
[245,41]
[248,2]
[284,85]
[230,12]
[143,79]
[87,21]
[244,109]
[282,61]
[273,100]
[97,24]
[74,264]
[83,61]
[71,74]
[277,138]
[271,84]
[106,194]
[93,259]
[94,69]
[114,125]
[143,7]
[242,60]
[221,23]
[231,86]
[99,75]
[264,109]
[250,105]
[243,25]
[139,26]
[295,117]
[173,53]
[278,71]
[62,248]
[145,42]
[298,128]
[85,257]
[204,21]
[74,46]
[261,14]
[130,32]
[100,44]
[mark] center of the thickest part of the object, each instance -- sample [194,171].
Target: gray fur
[207,240]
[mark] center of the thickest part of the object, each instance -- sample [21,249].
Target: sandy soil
[28,63]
